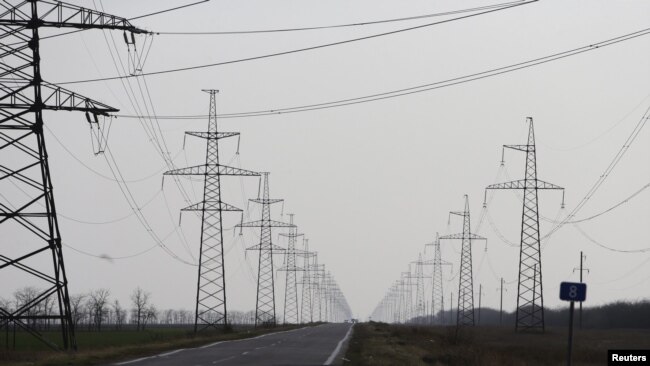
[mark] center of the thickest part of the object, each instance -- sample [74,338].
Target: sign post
[572,291]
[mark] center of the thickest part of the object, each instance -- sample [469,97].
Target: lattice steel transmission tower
[530,299]
[407,284]
[306,308]
[210,311]
[265,303]
[465,314]
[36,252]
[291,314]
[420,302]
[317,272]
[437,294]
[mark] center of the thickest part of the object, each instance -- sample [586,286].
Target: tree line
[97,311]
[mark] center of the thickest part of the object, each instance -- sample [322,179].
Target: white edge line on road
[171,353]
[338,347]
[207,345]
[132,361]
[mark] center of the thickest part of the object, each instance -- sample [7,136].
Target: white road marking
[171,353]
[223,359]
[132,361]
[338,347]
[245,353]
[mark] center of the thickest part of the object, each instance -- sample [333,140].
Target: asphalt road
[320,345]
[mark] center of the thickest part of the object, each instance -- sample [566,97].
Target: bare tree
[77,308]
[120,314]
[98,304]
[140,300]
[150,315]
[24,296]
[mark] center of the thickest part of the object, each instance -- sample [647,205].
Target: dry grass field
[380,344]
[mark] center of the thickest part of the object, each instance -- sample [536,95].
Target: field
[112,345]
[379,344]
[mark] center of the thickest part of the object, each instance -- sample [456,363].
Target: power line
[136,17]
[188,68]
[588,237]
[168,10]
[357,24]
[415,89]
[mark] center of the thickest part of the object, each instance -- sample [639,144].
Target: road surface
[320,345]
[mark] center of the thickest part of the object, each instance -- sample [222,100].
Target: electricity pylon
[420,306]
[306,308]
[437,295]
[291,284]
[530,298]
[265,303]
[407,283]
[210,310]
[316,272]
[465,314]
[36,253]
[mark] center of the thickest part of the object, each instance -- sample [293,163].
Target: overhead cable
[338,43]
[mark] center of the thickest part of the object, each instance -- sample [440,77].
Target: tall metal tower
[407,284]
[265,303]
[306,308]
[437,295]
[420,306]
[530,299]
[291,284]
[465,314]
[29,218]
[210,311]
[317,272]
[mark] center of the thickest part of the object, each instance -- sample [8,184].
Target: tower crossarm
[211,135]
[20,96]
[524,184]
[62,15]
[266,201]
[525,148]
[211,206]
[292,235]
[461,236]
[265,223]
[271,248]
[211,169]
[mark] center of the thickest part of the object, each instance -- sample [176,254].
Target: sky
[369,183]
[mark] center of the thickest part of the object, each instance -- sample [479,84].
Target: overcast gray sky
[369,183]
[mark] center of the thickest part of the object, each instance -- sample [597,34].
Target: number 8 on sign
[573,291]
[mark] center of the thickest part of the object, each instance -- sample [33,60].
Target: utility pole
[291,284]
[480,295]
[582,256]
[36,252]
[210,310]
[530,302]
[465,313]
[451,304]
[265,303]
[501,303]
[437,289]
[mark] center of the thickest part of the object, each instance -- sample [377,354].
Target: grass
[113,346]
[380,344]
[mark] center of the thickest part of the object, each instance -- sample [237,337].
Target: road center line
[338,347]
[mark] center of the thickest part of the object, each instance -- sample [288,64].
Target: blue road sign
[573,291]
